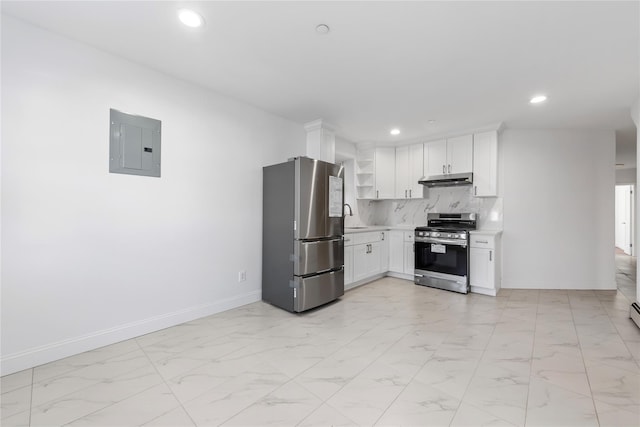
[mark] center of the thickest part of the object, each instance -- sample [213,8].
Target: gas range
[447,226]
[442,251]
[440,233]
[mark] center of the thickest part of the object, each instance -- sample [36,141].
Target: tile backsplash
[413,212]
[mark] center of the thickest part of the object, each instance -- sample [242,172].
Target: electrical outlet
[242,276]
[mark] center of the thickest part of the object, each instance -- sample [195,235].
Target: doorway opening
[624,240]
[624,219]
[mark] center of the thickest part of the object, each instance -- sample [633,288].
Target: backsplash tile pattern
[438,200]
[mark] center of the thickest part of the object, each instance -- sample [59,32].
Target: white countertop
[486,232]
[364,229]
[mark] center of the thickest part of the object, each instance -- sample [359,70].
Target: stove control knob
[434,234]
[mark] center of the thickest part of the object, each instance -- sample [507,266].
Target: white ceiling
[385,64]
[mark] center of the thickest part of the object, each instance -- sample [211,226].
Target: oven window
[446,259]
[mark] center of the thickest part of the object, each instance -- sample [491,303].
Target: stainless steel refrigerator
[302,234]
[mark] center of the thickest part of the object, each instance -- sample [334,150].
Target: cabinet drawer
[408,236]
[348,240]
[370,237]
[483,241]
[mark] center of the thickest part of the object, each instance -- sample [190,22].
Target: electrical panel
[134,144]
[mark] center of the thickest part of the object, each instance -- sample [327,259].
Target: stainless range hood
[447,180]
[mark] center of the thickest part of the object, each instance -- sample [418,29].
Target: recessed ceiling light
[431,122]
[323,29]
[395,131]
[190,18]
[538,99]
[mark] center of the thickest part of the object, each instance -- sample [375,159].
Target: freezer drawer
[314,291]
[320,255]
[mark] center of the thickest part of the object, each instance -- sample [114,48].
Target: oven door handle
[462,243]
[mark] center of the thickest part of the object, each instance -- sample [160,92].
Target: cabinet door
[460,154]
[374,259]
[416,171]
[384,252]
[436,158]
[402,173]
[348,265]
[396,251]
[481,271]
[360,258]
[409,258]
[485,164]
[385,173]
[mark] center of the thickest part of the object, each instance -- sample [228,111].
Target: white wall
[626,176]
[558,189]
[90,258]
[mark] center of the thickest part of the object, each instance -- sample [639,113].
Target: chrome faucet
[350,211]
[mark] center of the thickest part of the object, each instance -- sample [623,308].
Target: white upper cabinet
[375,173]
[460,154]
[402,173]
[450,156]
[485,164]
[385,160]
[409,170]
[437,158]
[416,171]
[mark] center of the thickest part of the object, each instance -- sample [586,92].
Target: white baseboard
[363,282]
[49,352]
[484,291]
[404,276]
[561,285]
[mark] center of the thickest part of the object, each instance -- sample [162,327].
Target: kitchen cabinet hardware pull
[409,193]
[377,194]
[449,168]
[483,241]
[405,194]
[383,235]
[490,256]
[443,169]
[475,190]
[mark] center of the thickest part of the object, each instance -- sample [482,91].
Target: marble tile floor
[388,353]
[626,274]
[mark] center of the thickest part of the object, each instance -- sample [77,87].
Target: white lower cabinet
[371,254]
[396,251]
[368,255]
[384,251]
[409,258]
[484,271]
[360,262]
[348,263]
[401,255]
